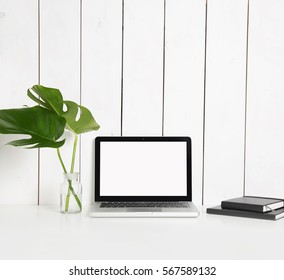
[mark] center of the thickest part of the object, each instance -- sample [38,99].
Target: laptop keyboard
[144,204]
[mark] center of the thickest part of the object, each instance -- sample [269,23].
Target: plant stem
[74,153]
[61,161]
[70,188]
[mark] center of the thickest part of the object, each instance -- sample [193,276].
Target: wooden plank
[184,77]
[101,78]
[225,100]
[18,72]
[265,136]
[143,67]
[60,68]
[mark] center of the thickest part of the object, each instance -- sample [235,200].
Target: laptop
[143,177]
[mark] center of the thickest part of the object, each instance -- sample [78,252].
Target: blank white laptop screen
[143,169]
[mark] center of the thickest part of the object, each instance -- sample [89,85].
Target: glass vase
[71,194]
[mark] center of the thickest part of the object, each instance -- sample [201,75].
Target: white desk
[41,232]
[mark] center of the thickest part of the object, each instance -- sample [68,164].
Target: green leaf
[85,122]
[43,126]
[78,118]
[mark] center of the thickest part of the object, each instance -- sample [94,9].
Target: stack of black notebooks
[251,207]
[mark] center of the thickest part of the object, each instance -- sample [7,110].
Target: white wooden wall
[209,69]
[265,134]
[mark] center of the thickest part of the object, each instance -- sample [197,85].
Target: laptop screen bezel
[100,139]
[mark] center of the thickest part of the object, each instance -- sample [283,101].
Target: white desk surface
[42,232]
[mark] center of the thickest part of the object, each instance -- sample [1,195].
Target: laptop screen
[134,168]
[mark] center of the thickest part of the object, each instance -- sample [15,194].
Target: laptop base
[144,212]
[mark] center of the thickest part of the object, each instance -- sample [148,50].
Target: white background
[171,69]
[143,169]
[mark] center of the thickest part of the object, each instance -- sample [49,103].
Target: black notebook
[272,215]
[253,203]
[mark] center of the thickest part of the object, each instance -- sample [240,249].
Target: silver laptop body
[143,177]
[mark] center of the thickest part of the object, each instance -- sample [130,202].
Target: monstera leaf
[78,118]
[44,126]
